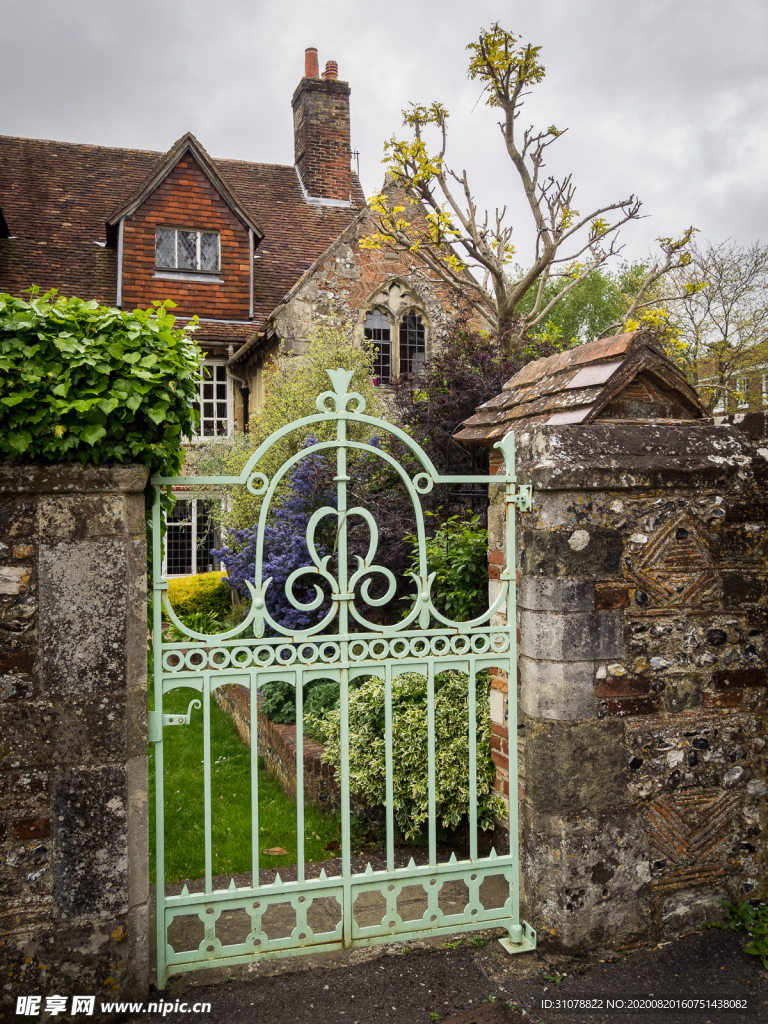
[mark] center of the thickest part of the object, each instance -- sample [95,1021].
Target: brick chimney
[321,131]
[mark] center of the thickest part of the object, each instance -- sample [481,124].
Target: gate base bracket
[527,943]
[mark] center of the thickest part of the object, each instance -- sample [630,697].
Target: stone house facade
[260,253]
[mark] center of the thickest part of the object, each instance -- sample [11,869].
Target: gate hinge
[155,723]
[157,720]
[522,497]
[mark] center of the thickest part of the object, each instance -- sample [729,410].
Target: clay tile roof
[578,385]
[57,198]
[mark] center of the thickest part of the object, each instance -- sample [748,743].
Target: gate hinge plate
[155,724]
[522,497]
[157,720]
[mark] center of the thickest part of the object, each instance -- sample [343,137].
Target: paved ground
[423,982]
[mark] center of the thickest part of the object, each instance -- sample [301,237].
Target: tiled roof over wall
[56,197]
[626,376]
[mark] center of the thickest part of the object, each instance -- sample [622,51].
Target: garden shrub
[279,702]
[458,553]
[85,383]
[204,592]
[367,769]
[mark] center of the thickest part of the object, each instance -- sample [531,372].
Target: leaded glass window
[186,250]
[412,345]
[377,330]
[190,539]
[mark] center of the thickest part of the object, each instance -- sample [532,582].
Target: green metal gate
[343,646]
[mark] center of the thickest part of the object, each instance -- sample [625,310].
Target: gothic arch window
[413,351]
[378,331]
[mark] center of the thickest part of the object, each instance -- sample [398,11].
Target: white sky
[663,98]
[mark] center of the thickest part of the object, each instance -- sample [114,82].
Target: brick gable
[187,199]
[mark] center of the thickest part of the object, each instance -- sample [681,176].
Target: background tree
[473,251]
[723,317]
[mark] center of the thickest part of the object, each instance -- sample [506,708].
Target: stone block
[90,843]
[574,636]
[575,766]
[556,553]
[556,595]
[587,878]
[557,690]
[83,611]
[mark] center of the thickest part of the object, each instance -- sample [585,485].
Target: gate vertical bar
[472,698]
[158,585]
[431,755]
[388,767]
[254,708]
[299,677]
[207,779]
[343,584]
[510,572]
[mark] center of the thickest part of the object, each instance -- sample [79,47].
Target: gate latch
[157,721]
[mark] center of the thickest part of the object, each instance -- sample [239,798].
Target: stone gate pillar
[642,675]
[73,746]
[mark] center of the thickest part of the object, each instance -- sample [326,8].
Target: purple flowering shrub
[285,544]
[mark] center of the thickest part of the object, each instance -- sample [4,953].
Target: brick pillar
[642,676]
[73,744]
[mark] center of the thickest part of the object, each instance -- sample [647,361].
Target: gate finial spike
[492,854]
[453,857]
[411,863]
[232,884]
[278,879]
[322,874]
[369,869]
[184,890]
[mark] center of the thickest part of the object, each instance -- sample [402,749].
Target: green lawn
[230,802]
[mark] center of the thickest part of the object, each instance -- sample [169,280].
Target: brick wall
[187,199]
[643,645]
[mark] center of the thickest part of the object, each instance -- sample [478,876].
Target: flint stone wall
[74,884]
[642,571]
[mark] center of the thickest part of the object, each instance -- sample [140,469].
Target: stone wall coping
[624,455]
[70,478]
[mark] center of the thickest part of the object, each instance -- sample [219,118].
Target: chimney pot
[331,70]
[311,67]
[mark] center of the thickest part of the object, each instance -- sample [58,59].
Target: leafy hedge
[85,383]
[204,593]
[458,553]
[367,769]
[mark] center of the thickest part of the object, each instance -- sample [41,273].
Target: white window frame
[215,364]
[194,524]
[764,389]
[191,231]
[742,386]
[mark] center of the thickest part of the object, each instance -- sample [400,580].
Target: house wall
[643,646]
[187,199]
[343,287]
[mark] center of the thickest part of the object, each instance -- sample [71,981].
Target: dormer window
[197,251]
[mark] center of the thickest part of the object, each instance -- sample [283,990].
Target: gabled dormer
[183,234]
